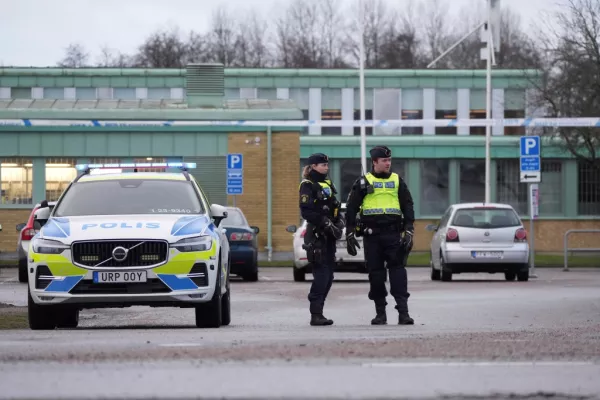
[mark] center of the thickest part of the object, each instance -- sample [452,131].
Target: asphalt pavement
[476,336]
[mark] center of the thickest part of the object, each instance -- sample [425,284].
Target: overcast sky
[36,32]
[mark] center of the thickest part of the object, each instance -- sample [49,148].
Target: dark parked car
[243,244]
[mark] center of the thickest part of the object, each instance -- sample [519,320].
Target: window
[509,190]
[21,93]
[445,114]
[16,186]
[129,196]
[305,118]
[551,188]
[472,181]
[477,130]
[59,174]
[435,196]
[54,93]
[368,117]
[159,93]
[412,114]
[350,170]
[124,93]
[85,93]
[331,115]
[234,218]
[486,218]
[514,130]
[588,189]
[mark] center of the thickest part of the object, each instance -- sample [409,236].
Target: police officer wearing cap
[387,224]
[320,207]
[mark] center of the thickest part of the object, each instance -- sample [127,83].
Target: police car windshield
[129,196]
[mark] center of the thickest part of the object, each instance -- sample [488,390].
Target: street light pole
[488,97]
[363,139]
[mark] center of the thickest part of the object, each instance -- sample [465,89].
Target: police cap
[380,152]
[318,158]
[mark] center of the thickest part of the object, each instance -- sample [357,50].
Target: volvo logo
[487,234]
[119,253]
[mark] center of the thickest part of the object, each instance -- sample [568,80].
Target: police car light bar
[83,167]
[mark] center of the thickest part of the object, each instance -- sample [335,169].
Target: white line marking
[265,278]
[181,344]
[9,280]
[482,364]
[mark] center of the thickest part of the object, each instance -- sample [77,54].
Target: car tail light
[452,235]
[238,236]
[303,233]
[521,235]
[27,233]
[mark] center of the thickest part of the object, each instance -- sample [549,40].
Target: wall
[9,220]
[253,202]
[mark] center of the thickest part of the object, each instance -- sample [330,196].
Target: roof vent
[205,85]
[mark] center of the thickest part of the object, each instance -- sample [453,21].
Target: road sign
[235,174]
[235,162]
[531,164]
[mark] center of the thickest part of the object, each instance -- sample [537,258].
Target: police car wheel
[67,318]
[209,314]
[40,317]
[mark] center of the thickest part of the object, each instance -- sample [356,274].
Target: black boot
[320,320]
[405,319]
[381,317]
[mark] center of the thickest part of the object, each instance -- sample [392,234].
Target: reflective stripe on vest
[384,199]
[325,187]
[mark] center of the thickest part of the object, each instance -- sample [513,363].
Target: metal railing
[566,245]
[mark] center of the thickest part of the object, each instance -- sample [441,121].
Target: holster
[314,242]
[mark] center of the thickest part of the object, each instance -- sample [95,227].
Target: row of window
[434,192]
[336,115]
[16,177]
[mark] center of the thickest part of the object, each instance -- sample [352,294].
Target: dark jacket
[316,210]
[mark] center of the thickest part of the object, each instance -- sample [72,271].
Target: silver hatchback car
[477,237]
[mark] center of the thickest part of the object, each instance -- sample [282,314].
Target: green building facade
[441,165]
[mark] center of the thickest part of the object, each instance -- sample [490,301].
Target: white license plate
[486,254]
[120,276]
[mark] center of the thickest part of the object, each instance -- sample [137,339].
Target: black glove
[339,223]
[406,241]
[332,230]
[351,243]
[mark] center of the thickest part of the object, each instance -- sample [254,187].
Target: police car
[119,238]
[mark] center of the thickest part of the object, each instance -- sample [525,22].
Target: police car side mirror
[291,228]
[219,213]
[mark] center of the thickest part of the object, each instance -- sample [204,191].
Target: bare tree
[299,42]
[571,78]
[223,36]
[112,58]
[252,42]
[162,49]
[75,57]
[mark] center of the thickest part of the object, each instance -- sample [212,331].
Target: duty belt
[375,230]
[373,211]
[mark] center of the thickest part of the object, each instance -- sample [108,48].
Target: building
[441,165]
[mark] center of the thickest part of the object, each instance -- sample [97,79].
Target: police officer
[319,207]
[387,224]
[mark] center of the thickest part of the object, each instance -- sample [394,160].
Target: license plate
[120,276]
[486,254]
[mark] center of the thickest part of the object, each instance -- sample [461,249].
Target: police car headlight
[45,246]
[198,243]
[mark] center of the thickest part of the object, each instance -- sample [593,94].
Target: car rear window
[234,218]
[486,218]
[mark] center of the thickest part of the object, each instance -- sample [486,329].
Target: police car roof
[168,176]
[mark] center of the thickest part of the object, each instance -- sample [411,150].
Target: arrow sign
[531,177]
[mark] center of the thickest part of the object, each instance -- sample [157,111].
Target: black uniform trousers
[322,276]
[383,247]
